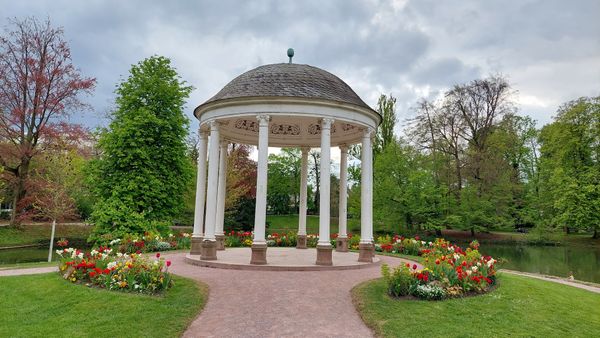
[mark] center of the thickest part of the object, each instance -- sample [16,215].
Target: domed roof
[291,81]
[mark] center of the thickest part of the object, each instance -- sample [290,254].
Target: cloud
[549,49]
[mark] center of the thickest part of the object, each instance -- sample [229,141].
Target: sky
[549,50]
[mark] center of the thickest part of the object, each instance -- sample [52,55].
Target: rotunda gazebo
[283,105]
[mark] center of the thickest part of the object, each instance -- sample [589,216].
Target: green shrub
[399,280]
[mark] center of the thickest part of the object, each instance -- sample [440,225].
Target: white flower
[119,255]
[135,241]
[456,256]
[108,251]
[414,241]
[422,242]
[80,256]
[104,256]
[491,262]
[469,272]
[94,252]
[451,249]
[474,268]
[479,264]
[185,234]
[59,252]
[115,241]
[111,265]
[171,235]
[430,244]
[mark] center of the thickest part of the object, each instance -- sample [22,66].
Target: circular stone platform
[281,259]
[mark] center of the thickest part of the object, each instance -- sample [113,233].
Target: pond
[583,262]
[24,255]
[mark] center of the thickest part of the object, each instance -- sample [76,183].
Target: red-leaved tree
[39,87]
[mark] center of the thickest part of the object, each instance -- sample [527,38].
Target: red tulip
[168,263]
[158,255]
[414,266]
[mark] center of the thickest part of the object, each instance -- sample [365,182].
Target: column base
[301,242]
[196,246]
[366,252]
[341,244]
[324,253]
[259,254]
[220,242]
[209,250]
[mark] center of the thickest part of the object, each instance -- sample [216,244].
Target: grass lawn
[46,305]
[521,306]
[34,233]
[285,223]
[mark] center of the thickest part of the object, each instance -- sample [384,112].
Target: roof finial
[290,54]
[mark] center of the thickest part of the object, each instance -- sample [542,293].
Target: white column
[200,186]
[213,177]
[325,182]
[343,231]
[366,189]
[260,215]
[303,191]
[221,190]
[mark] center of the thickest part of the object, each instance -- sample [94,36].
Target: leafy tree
[143,170]
[570,165]
[39,88]
[284,181]
[386,107]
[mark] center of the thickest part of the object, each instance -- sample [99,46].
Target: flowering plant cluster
[151,242]
[244,238]
[104,267]
[400,244]
[448,271]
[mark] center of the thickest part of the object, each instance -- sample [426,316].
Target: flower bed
[449,271]
[106,268]
[150,242]
[244,238]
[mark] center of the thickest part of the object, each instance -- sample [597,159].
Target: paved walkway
[27,271]
[278,303]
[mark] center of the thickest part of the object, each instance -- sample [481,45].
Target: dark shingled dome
[289,80]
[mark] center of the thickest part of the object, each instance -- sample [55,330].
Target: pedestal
[324,253]
[341,244]
[365,252]
[259,254]
[209,250]
[220,242]
[301,242]
[196,246]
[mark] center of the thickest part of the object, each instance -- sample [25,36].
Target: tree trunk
[596,234]
[472,231]
[438,232]
[19,190]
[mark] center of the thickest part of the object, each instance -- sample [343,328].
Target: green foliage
[143,172]
[570,166]
[284,181]
[398,280]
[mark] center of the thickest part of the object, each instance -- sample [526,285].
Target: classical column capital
[326,123]
[214,125]
[263,119]
[343,148]
[204,134]
[223,143]
[368,132]
[305,150]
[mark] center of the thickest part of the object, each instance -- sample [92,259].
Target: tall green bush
[142,172]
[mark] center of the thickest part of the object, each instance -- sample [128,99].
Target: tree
[315,156]
[386,107]
[39,87]
[570,165]
[52,200]
[284,181]
[143,169]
